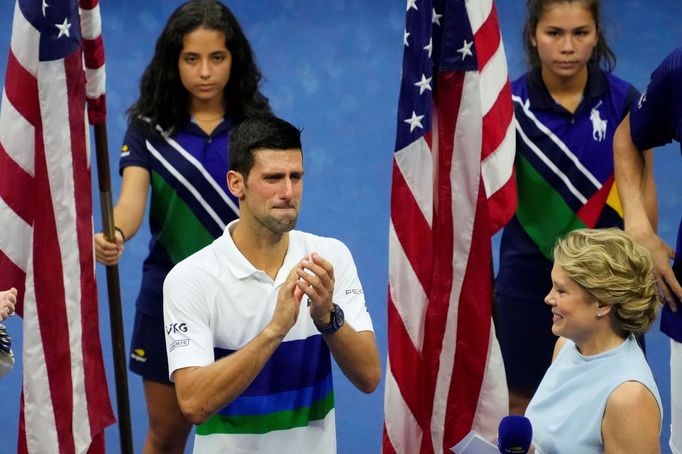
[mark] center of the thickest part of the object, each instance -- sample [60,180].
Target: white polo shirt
[216,301]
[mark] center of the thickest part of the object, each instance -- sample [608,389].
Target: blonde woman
[599,394]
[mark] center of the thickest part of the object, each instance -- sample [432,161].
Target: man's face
[270,196]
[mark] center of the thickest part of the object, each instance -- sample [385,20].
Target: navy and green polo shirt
[190,203]
[565,176]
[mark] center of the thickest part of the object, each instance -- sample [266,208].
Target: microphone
[514,435]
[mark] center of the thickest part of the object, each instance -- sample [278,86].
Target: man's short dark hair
[260,133]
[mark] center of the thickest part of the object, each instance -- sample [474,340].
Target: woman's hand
[108,252]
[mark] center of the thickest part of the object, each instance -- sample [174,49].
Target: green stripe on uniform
[182,234]
[260,424]
[542,212]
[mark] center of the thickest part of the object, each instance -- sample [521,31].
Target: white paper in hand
[473,443]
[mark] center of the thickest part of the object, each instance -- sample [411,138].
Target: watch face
[335,322]
[338,317]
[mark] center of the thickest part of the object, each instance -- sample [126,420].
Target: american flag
[453,188]
[46,247]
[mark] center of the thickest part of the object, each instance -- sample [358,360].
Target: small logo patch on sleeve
[177,344]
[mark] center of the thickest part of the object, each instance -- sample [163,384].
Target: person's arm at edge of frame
[355,352]
[8,301]
[202,391]
[632,421]
[632,176]
[128,214]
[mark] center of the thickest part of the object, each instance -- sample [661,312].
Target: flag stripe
[17,233]
[37,429]
[14,186]
[407,293]
[401,430]
[498,148]
[22,90]
[487,38]
[478,12]
[406,363]
[493,77]
[387,441]
[93,53]
[447,104]
[16,136]
[87,381]
[411,228]
[93,59]
[23,45]
[91,25]
[473,323]
[50,311]
[464,117]
[497,125]
[415,165]
[67,100]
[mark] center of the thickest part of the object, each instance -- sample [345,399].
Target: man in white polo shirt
[252,318]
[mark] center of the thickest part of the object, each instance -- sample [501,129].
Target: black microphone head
[514,435]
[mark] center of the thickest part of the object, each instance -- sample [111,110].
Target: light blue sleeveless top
[567,410]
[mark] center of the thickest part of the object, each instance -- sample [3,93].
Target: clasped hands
[312,277]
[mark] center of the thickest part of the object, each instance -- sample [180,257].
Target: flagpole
[114,291]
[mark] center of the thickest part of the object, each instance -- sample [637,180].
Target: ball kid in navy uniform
[201,81]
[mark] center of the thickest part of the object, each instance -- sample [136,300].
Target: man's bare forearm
[357,356]
[202,391]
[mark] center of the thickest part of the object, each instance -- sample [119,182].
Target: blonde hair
[615,270]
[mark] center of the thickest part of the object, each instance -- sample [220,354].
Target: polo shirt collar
[540,99]
[231,257]
[193,128]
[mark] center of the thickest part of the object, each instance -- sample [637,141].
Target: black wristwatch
[335,321]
